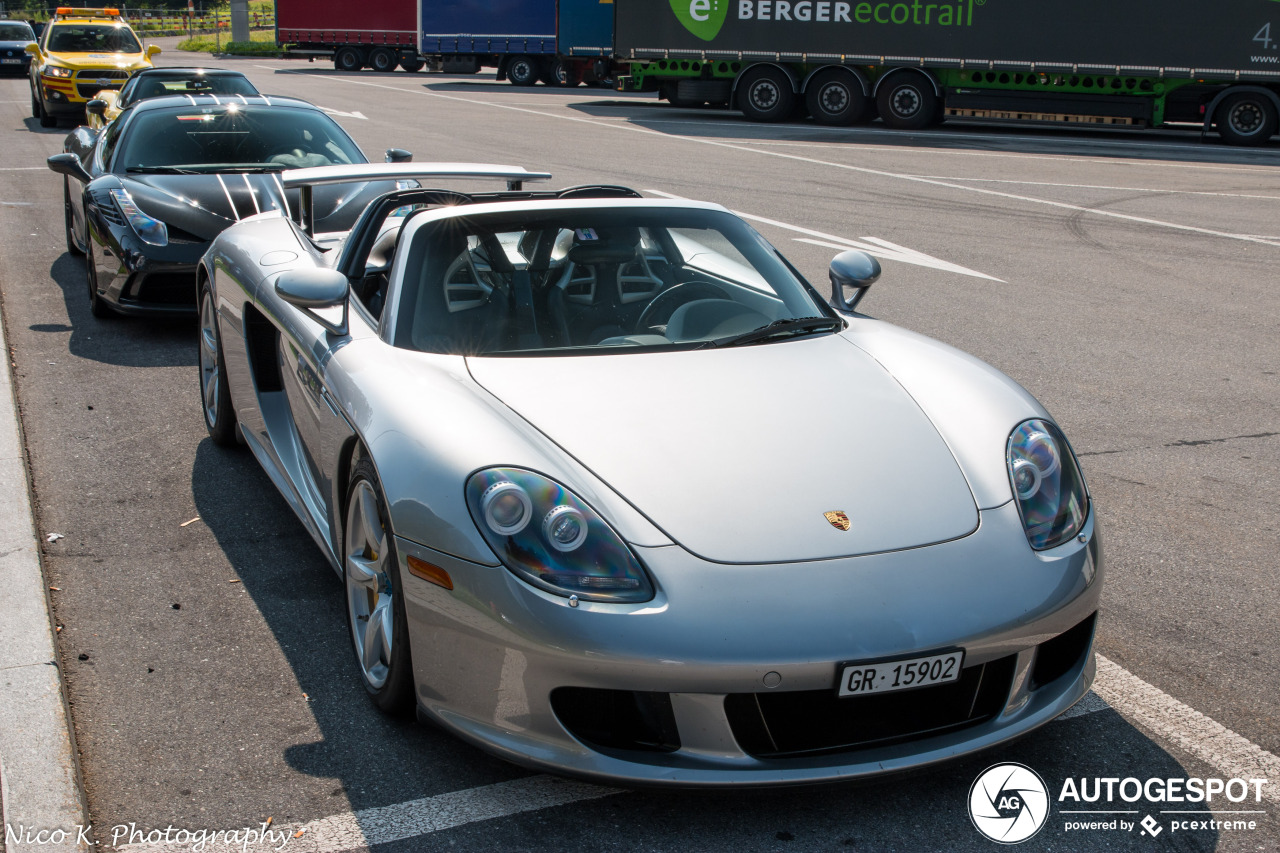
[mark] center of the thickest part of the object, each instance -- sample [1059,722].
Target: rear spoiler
[305,179]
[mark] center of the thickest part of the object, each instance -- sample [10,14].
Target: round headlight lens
[565,528]
[1047,484]
[506,508]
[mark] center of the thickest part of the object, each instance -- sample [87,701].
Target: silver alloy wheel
[369,591]
[834,97]
[209,358]
[765,94]
[1246,118]
[906,101]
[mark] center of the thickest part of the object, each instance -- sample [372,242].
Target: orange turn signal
[430,572]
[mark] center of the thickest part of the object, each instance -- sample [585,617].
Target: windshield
[93,38]
[235,136]
[16,32]
[588,280]
[156,86]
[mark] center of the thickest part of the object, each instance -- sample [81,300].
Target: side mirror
[33,49]
[97,107]
[399,155]
[152,50]
[68,164]
[314,290]
[852,274]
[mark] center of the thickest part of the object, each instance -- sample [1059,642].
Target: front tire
[375,599]
[765,94]
[215,396]
[1247,118]
[522,71]
[907,102]
[68,220]
[412,65]
[98,306]
[38,111]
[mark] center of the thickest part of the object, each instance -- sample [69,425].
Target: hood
[738,454]
[12,49]
[221,199]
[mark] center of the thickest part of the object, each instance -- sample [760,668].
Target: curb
[39,776]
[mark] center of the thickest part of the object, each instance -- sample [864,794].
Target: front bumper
[489,655]
[138,279]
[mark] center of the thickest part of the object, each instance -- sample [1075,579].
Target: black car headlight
[150,230]
[550,538]
[1047,484]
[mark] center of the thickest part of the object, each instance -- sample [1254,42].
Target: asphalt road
[1127,280]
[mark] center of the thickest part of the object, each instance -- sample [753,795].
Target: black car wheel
[765,94]
[375,599]
[72,247]
[907,102]
[98,306]
[215,396]
[835,97]
[348,59]
[383,60]
[522,71]
[412,65]
[1248,118]
[38,111]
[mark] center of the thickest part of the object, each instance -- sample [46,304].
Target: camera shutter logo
[1008,803]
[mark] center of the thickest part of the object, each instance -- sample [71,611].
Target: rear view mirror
[852,274]
[316,289]
[97,107]
[399,155]
[68,164]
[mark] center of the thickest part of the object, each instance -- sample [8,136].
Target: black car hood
[13,49]
[205,204]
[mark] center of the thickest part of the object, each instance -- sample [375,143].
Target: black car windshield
[593,280]
[16,32]
[93,38]
[233,136]
[157,86]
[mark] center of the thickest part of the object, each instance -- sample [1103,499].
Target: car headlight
[550,538]
[1047,484]
[57,71]
[151,231]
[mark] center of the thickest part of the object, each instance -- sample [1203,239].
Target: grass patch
[261,43]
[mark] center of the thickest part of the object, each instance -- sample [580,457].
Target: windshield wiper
[787,328]
[160,170]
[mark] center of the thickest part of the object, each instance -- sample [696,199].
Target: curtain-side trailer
[1082,62]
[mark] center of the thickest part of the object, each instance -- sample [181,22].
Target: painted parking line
[1103,187]
[874,246]
[1191,732]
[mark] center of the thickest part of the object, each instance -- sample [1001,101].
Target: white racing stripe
[383,825]
[1186,728]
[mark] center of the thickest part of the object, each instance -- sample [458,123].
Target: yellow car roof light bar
[64,12]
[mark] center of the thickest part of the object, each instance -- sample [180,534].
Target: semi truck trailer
[915,63]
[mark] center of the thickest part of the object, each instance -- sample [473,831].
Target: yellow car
[80,53]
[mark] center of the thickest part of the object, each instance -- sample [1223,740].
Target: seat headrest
[604,245]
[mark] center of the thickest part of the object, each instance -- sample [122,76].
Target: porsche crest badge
[838,519]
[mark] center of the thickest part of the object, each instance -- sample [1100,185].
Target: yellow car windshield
[93,38]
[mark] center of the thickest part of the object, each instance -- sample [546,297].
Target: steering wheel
[662,306]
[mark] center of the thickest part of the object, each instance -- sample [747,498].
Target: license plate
[10,61]
[863,679]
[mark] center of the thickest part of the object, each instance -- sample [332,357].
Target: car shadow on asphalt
[33,125]
[121,341]
[377,761]
[373,759]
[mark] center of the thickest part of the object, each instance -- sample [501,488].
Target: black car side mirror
[314,290]
[852,274]
[97,107]
[399,155]
[68,164]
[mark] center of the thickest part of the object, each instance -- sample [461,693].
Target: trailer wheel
[765,94]
[835,97]
[560,73]
[1248,118]
[522,70]
[412,65]
[907,102]
[348,59]
[383,60]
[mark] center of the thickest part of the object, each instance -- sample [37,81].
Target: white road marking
[1100,187]
[417,817]
[1186,728]
[1111,214]
[333,112]
[873,245]
[22,168]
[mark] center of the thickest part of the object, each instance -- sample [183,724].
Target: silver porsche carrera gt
[615,493]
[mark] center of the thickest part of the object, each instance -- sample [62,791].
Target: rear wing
[305,179]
